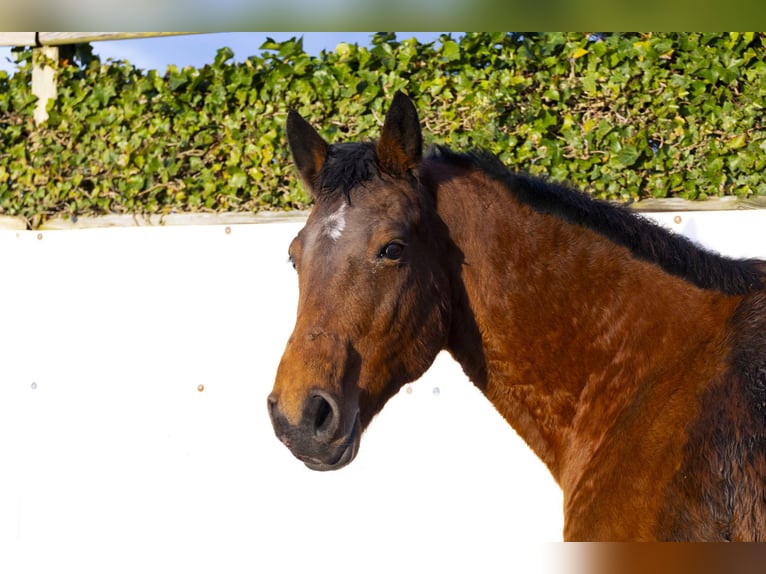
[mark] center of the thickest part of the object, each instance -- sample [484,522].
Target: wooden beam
[61,38]
[725,203]
[18,38]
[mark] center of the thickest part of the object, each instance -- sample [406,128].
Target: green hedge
[625,116]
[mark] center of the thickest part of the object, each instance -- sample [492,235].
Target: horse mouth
[344,453]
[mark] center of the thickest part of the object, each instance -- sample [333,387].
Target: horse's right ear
[308,148]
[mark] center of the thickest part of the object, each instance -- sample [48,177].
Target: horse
[631,360]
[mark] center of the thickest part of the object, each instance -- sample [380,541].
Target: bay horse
[631,360]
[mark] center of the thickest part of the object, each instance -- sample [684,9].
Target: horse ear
[400,146]
[307,146]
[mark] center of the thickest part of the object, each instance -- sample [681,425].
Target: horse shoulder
[718,493]
[695,458]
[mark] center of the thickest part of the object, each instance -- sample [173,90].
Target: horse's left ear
[400,146]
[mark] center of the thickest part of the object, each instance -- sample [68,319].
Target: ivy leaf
[628,155]
[450,51]
[103,93]
[238,177]
[222,56]
[589,83]
[737,141]
[579,53]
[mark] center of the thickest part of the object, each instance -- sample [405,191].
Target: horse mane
[645,239]
[347,166]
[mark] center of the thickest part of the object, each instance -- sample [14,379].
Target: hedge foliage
[625,116]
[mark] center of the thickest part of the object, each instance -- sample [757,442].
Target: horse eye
[291,261]
[392,251]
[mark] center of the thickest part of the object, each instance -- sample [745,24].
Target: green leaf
[737,141]
[589,83]
[628,155]
[451,50]
[238,177]
[222,56]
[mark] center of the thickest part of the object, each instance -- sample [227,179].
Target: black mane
[647,240]
[347,166]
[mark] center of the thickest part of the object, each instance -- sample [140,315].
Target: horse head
[374,305]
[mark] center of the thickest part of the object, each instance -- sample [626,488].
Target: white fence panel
[134,435]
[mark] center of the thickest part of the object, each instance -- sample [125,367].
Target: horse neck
[559,327]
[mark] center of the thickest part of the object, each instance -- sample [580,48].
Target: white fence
[134,435]
[46,47]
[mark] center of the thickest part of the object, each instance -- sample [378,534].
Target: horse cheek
[426,324]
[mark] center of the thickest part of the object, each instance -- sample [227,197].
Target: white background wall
[113,460]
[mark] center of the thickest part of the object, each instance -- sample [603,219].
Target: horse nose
[321,439]
[321,416]
[320,419]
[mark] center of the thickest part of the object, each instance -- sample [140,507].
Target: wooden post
[43,75]
[43,79]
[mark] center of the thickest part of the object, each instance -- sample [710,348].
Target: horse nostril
[323,414]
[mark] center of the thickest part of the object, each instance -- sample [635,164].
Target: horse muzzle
[321,440]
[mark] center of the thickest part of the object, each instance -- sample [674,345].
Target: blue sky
[200,49]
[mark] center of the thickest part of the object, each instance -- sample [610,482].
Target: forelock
[347,166]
